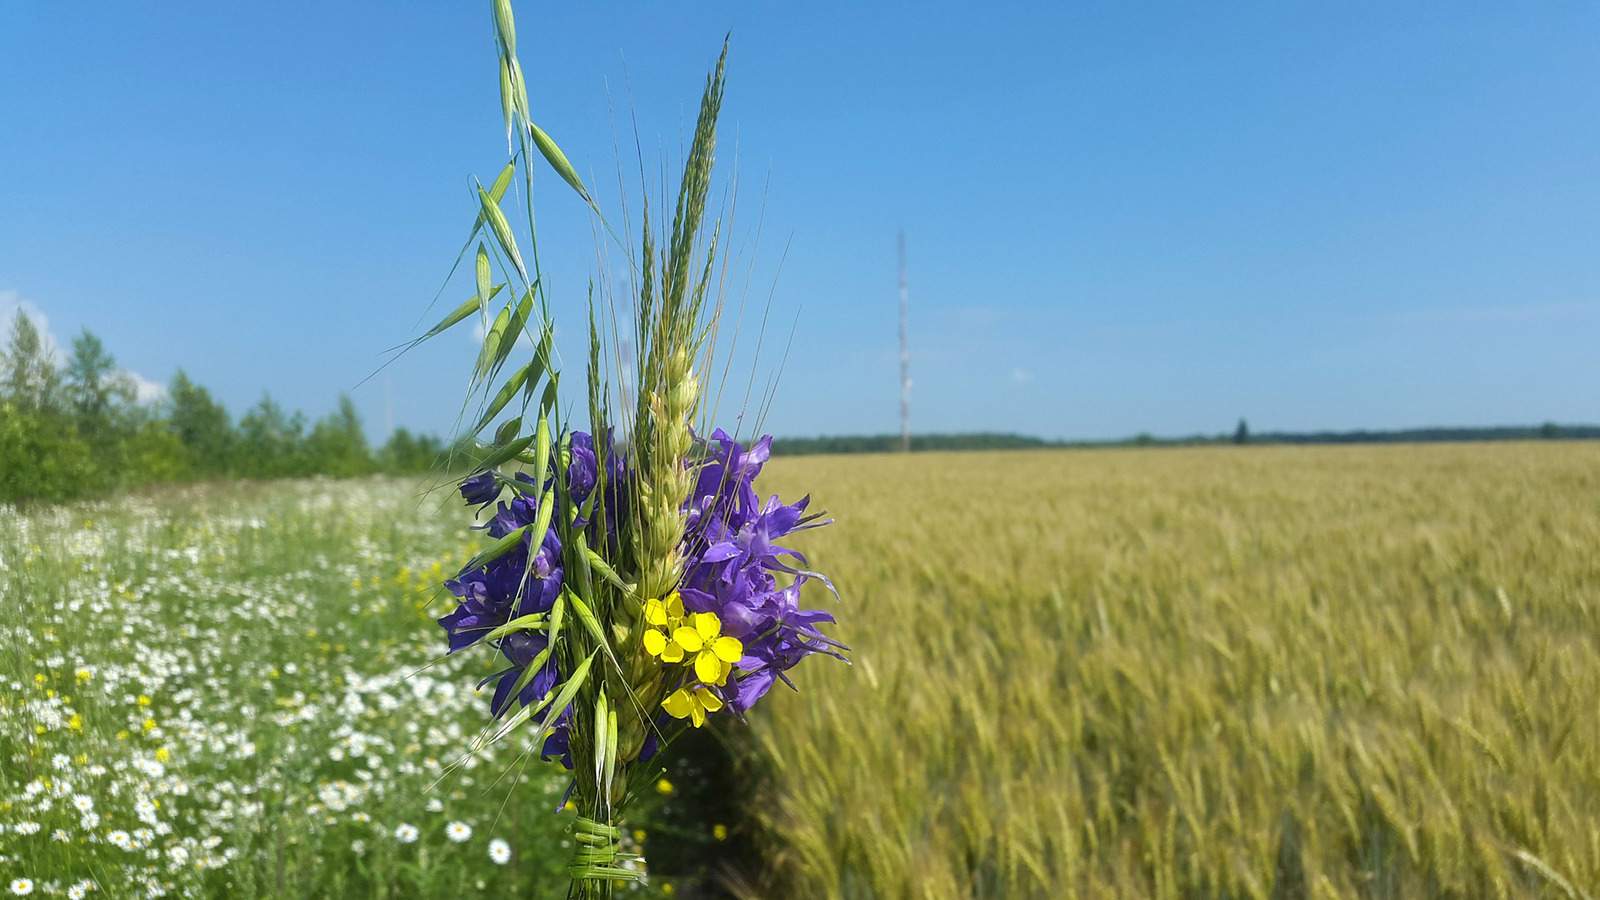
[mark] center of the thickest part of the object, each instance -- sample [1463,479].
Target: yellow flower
[162,755]
[691,704]
[719,831]
[675,633]
[714,654]
[638,835]
[76,722]
[663,787]
[143,701]
[149,725]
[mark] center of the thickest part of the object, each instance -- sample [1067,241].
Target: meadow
[231,691]
[1353,672]
[1274,672]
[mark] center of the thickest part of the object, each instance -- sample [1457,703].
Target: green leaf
[547,402]
[496,550]
[502,231]
[541,450]
[611,749]
[508,340]
[597,563]
[505,27]
[601,708]
[541,355]
[468,307]
[554,630]
[508,431]
[558,161]
[507,99]
[497,192]
[519,90]
[547,505]
[590,623]
[506,451]
[507,391]
[491,344]
[569,689]
[485,280]
[530,622]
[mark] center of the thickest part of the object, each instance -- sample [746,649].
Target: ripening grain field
[1356,672]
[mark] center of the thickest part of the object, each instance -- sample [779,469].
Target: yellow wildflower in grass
[75,723]
[143,701]
[663,787]
[719,831]
[162,755]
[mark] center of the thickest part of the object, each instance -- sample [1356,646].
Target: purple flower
[480,489]
[732,562]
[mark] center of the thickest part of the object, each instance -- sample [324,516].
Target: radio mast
[905,357]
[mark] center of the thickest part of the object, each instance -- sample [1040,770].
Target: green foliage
[79,430]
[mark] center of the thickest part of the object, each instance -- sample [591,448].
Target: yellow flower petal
[674,605]
[728,649]
[722,678]
[654,642]
[672,652]
[689,639]
[655,612]
[708,625]
[707,667]
[709,700]
[698,712]
[679,704]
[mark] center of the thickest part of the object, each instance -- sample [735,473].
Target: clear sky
[1121,217]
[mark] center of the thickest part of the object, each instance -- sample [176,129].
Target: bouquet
[636,584]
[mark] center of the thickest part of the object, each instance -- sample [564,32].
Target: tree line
[80,429]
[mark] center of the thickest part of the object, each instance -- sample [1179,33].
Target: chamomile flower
[459,832]
[406,833]
[21,886]
[499,852]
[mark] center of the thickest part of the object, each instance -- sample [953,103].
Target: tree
[1241,435]
[338,445]
[94,388]
[406,452]
[200,424]
[271,444]
[31,381]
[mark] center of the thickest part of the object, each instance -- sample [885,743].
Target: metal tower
[905,357]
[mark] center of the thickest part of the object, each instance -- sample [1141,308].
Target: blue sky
[1120,217]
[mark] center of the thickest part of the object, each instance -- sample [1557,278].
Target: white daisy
[499,851]
[405,834]
[21,886]
[459,832]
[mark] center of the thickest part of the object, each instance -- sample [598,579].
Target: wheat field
[1266,672]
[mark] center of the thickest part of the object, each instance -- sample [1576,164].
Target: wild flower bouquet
[635,584]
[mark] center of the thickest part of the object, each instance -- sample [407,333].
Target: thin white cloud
[1020,377]
[145,390]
